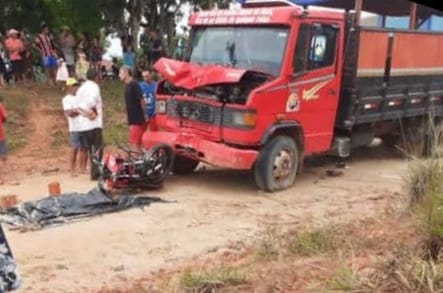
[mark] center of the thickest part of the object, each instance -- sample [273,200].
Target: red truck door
[315,81]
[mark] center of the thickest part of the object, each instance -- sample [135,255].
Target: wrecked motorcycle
[133,169]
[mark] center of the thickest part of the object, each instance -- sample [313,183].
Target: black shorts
[17,67]
[93,140]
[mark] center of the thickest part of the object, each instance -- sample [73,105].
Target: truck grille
[193,111]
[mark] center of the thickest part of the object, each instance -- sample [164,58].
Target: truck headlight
[160,107]
[244,119]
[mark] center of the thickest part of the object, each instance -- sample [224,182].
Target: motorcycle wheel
[158,163]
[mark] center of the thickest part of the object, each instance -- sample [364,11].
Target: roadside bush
[425,181]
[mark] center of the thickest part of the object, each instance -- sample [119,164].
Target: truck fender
[289,128]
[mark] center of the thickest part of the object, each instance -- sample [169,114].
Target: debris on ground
[334,173]
[9,276]
[67,208]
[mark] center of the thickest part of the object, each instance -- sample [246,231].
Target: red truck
[266,85]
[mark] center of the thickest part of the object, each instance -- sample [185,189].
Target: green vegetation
[303,243]
[425,182]
[344,280]
[311,243]
[16,129]
[208,282]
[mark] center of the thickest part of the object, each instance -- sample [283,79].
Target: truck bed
[390,74]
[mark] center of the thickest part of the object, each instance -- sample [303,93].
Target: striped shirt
[44,43]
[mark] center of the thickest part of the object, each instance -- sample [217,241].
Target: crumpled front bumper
[196,147]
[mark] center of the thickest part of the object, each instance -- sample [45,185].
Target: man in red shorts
[135,105]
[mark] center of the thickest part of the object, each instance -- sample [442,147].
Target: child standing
[71,112]
[3,117]
[62,73]
[81,66]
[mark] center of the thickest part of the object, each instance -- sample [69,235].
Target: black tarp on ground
[68,207]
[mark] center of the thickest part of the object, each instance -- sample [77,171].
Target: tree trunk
[136,12]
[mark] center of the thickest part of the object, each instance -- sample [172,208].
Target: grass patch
[344,280]
[399,274]
[270,246]
[425,180]
[208,282]
[16,105]
[300,243]
[310,243]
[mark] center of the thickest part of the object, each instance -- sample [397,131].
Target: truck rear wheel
[277,164]
[183,165]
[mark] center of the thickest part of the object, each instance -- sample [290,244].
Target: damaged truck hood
[190,76]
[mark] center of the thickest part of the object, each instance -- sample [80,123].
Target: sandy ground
[212,209]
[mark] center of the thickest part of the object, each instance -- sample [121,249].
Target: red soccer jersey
[3,116]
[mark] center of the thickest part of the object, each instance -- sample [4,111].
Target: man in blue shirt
[148,87]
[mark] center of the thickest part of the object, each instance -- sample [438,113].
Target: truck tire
[183,165]
[277,164]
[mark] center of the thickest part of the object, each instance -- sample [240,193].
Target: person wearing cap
[72,113]
[44,44]
[15,47]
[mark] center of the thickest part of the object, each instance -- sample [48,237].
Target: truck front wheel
[277,164]
[183,165]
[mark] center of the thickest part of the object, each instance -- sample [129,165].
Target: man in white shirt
[70,108]
[89,103]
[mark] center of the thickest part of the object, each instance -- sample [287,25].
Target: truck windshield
[255,48]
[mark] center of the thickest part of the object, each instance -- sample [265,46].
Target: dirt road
[213,208]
